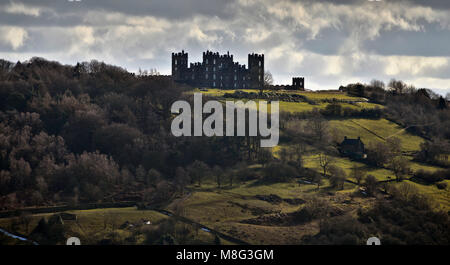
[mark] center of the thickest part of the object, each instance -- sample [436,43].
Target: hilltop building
[220,71]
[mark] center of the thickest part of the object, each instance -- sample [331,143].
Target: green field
[311,95]
[293,107]
[312,161]
[373,131]
[93,225]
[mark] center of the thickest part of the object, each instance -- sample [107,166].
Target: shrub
[279,172]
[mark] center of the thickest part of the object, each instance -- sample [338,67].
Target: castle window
[259,78]
[235,77]
[214,76]
[214,68]
[206,68]
[234,84]
[220,77]
[259,63]
[176,68]
[214,84]
[192,77]
[214,62]
[175,61]
[243,78]
[206,76]
[206,61]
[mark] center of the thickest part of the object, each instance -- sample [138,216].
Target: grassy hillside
[312,95]
[227,209]
[239,203]
[372,131]
[236,210]
[317,98]
[91,225]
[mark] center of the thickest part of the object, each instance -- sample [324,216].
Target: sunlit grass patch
[373,131]
[440,197]
[312,161]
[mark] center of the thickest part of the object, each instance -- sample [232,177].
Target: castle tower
[298,83]
[256,70]
[179,66]
[211,65]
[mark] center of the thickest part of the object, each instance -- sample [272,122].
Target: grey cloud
[328,44]
[175,9]
[430,42]
[438,4]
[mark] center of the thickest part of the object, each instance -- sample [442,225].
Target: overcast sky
[330,42]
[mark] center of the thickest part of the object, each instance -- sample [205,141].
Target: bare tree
[318,207]
[265,156]
[337,178]
[397,86]
[404,191]
[399,166]
[318,180]
[181,179]
[377,84]
[197,171]
[230,175]
[268,81]
[379,154]
[325,162]
[358,174]
[218,173]
[370,184]
[298,151]
[284,155]
[153,71]
[318,125]
[395,146]
[152,177]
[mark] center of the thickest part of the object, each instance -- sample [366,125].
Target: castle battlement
[180,54]
[255,55]
[220,71]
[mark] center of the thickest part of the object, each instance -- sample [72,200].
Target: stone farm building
[353,148]
[220,71]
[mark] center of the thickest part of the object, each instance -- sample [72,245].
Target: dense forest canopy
[93,132]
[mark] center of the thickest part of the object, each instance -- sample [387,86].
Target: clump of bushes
[432,177]
[279,172]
